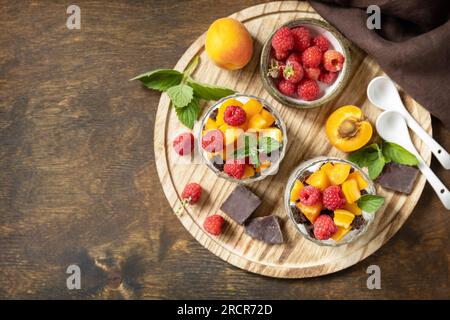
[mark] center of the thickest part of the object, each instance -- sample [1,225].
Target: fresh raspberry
[302,38]
[295,56]
[321,42]
[312,57]
[280,55]
[333,198]
[308,89]
[234,168]
[333,60]
[213,224]
[283,40]
[287,88]
[293,72]
[312,73]
[310,196]
[192,192]
[213,140]
[324,227]
[328,77]
[184,143]
[276,68]
[234,116]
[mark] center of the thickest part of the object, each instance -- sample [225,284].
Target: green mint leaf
[189,114]
[365,156]
[375,167]
[268,145]
[250,149]
[370,203]
[191,67]
[394,152]
[160,79]
[209,91]
[180,95]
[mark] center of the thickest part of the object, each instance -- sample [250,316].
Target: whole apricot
[229,44]
[347,129]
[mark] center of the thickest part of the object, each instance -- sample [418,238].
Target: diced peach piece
[340,233]
[231,134]
[351,191]
[263,166]
[257,122]
[273,133]
[353,208]
[210,124]
[327,167]
[343,218]
[310,212]
[362,183]
[223,106]
[249,171]
[270,119]
[252,107]
[295,191]
[339,173]
[319,179]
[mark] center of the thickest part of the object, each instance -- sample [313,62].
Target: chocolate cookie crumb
[358,222]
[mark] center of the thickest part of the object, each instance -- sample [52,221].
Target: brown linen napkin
[412,47]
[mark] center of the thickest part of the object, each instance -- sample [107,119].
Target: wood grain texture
[297,257]
[74,189]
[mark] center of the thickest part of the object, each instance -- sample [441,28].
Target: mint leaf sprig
[253,147]
[375,156]
[370,202]
[184,92]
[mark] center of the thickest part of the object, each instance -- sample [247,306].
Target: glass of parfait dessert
[321,198]
[242,138]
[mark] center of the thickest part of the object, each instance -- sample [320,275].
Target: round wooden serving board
[297,257]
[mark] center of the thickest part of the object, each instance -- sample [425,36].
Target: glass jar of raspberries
[305,63]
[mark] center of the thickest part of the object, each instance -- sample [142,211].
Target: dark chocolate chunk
[218,162]
[310,229]
[299,217]
[240,204]
[266,229]
[214,113]
[358,222]
[398,177]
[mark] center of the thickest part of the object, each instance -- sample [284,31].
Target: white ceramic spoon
[391,126]
[382,92]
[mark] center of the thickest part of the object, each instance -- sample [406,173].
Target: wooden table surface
[78,181]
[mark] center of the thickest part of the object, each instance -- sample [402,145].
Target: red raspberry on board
[213,140]
[308,89]
[192,193]
[324,227]
[213,224]
[310,196]
[312,73]
[333,60]
[295,56]
[234,116]
[234,168]
[183,143]
[333,198]
[312,57]
[283,40]
[321,42]
[287,88]
[293,72]
[328,77]
[302,38]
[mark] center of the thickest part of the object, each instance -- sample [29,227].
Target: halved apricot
[347,129]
